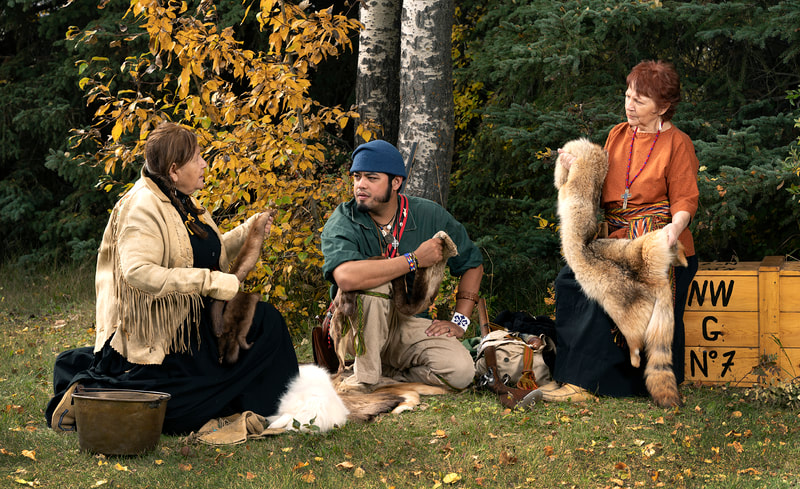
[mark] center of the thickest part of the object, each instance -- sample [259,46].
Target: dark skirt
[201,388]
[587,354]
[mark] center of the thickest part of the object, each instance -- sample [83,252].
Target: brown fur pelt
[628,278]
[386,396]
[408,302]
[231,322]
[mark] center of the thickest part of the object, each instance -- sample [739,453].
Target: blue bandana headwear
[378,156]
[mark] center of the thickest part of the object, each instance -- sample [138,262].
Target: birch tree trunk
[426,95]
[377,82]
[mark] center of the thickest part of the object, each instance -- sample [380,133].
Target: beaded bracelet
[460,320]
[412,264]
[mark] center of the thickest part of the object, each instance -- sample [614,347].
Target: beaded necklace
[628,182]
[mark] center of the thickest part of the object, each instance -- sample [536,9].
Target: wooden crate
[740,314]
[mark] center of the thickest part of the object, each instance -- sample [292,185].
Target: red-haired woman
[651,184]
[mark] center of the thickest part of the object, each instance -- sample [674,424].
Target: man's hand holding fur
[429,252]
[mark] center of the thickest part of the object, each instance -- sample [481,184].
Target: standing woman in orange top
[651,184]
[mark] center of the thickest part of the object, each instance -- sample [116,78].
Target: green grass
[717,440]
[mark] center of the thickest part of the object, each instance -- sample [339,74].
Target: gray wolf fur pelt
[311,401]
[231,322]
[407,302]
[628,278]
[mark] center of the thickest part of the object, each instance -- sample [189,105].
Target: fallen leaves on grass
[507,458]
[451,478]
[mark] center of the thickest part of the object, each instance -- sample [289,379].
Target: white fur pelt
[629,278]
[310,400]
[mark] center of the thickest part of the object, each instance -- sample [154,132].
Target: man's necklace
[395,230]
[386,231]
[628,182]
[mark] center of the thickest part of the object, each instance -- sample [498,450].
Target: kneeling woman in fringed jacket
[162,260]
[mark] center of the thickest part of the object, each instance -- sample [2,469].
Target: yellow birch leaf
[116,132]
[31,454]
[451,478]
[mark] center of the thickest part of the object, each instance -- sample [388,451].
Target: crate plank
[789,292]
[721,365]
[721,329]
[728,291]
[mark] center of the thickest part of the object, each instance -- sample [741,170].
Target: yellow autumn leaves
[266,140]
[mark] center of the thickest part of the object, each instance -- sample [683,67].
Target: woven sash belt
[639,220]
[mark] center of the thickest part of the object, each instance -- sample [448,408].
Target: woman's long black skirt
[587,354]
[201,388]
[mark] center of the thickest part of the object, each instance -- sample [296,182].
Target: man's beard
[363,207]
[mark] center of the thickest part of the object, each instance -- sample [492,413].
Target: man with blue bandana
[381,221]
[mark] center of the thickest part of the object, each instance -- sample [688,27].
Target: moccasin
[567,392]
[64,415]
[549,387]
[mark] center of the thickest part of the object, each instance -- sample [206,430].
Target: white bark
[426,95]
[377,82]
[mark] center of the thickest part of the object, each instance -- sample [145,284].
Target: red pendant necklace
[628,182]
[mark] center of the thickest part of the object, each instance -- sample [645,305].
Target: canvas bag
[512,365]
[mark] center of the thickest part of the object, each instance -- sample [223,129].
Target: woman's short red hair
[659,81]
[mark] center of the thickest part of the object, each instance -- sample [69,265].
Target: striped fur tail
[658,374]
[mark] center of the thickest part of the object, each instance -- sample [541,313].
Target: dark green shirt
[352,235]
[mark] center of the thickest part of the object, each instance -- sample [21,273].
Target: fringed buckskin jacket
[146,286]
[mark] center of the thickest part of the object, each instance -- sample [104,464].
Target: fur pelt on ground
[231,322]
[312,403]
[408,302]
[628,278]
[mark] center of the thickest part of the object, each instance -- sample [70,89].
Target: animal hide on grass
[312,402]
[628,278]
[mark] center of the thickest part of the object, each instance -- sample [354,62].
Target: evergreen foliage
[534,74]
[44,206]
[530,75]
